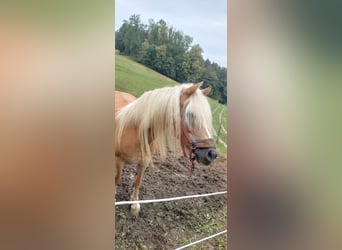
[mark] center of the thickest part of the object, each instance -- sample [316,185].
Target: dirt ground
[172,224]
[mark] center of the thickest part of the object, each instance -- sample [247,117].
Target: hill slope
[135,78]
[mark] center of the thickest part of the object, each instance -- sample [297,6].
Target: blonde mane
[158,115]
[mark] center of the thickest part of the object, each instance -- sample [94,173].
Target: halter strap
[195,144]
[201,143]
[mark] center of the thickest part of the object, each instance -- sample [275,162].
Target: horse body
[122,99]
[128,151]
[158,120]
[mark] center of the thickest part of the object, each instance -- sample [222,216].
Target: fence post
[218,132]
[219,129]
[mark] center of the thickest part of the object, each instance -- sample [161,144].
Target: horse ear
[206,91]
[189,91]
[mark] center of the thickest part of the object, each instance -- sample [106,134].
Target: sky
[203,20]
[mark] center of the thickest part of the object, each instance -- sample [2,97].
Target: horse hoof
[135,208]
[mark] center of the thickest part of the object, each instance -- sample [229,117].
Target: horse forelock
[197,113]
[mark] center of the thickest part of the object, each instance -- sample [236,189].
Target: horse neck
[161,122]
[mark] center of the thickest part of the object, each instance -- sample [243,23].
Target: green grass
[209,222]
[216,110]
[135,78]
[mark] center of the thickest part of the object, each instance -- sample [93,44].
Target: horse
[158,120]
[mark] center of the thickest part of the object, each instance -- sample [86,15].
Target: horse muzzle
[205,155]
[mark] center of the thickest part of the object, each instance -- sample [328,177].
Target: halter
[195,144]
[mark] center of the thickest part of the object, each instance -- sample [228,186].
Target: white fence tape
[198,241]
[174,199]
[167,199]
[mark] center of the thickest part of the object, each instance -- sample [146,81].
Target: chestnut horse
[159,120]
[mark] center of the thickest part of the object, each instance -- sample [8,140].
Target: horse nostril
[212,154]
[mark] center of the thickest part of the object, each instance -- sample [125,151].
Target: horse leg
[135,208]
[118,170]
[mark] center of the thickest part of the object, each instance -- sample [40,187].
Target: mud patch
[172,224]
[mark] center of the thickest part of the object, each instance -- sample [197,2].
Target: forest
[170,52]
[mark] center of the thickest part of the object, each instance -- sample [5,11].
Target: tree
[210,78]
[160,58]
[130,36]
[196,63]
[146,53]
[170,52]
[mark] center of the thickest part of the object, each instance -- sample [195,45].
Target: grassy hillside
[217,110]
[135,78]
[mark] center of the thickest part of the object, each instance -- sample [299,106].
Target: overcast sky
[204,20]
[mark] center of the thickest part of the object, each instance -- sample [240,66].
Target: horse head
[196,124]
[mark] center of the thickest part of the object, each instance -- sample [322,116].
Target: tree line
[170,52]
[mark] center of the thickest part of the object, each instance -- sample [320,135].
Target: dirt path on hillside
[172,224]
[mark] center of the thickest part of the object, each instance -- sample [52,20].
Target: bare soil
[172,224]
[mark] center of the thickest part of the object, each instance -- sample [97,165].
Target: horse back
[121,99]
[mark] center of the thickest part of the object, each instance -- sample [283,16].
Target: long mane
[158,116]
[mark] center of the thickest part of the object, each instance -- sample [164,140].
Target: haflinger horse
[159,120]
